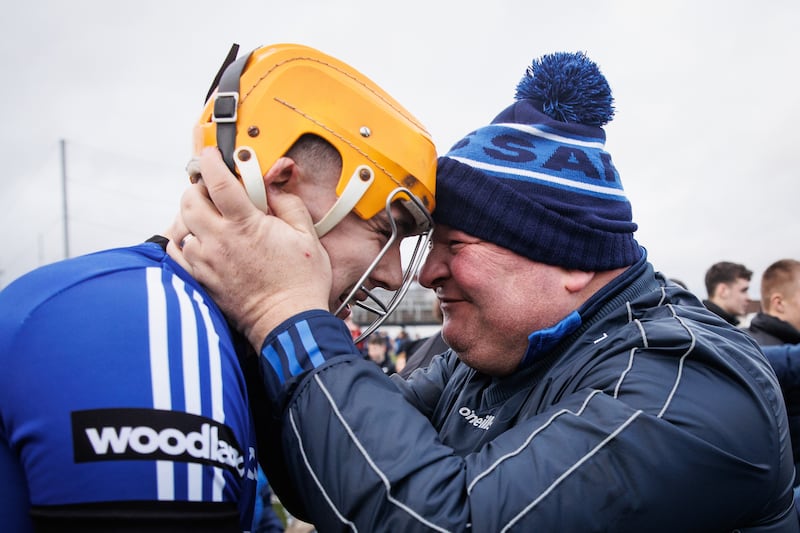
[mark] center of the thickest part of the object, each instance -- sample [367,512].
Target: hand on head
[273,266]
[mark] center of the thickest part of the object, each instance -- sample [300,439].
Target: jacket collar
[723,314]
[628,285]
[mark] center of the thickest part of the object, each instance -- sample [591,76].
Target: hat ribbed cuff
[485,207]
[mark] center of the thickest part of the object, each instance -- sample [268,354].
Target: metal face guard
[424,231]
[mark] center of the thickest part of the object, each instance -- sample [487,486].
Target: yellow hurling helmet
[265,101]
[268,99]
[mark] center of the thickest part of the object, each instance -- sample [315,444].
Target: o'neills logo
[480,422]
[151,434]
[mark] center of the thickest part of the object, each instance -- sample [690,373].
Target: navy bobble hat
[537,180]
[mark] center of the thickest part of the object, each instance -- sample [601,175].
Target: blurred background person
[728,285]
[378,352]
[778,322]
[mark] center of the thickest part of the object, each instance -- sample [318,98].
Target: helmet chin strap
[252,178]
[253,181]
[356,187]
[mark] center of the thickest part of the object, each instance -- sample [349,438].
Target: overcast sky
[704,137]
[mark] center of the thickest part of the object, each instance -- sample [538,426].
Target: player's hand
[259,269]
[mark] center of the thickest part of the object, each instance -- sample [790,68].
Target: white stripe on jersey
[215,369]
[159,368]
[191,377]
[189,301]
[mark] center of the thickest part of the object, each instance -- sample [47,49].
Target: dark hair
[316,154]
[725,272]
[376,339]
[777,278]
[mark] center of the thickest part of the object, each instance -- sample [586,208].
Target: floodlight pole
[64,196]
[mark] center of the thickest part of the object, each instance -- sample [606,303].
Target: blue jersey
[120,389]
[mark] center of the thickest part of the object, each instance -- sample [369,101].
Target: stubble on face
[492,299]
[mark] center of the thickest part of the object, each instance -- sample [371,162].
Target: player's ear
[281,172]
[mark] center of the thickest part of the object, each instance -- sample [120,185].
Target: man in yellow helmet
[123,398]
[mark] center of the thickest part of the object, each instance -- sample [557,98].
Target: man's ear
[282,172]
[776,303]
[577,280]
[723,291]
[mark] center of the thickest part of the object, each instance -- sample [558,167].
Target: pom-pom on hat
[537,180]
